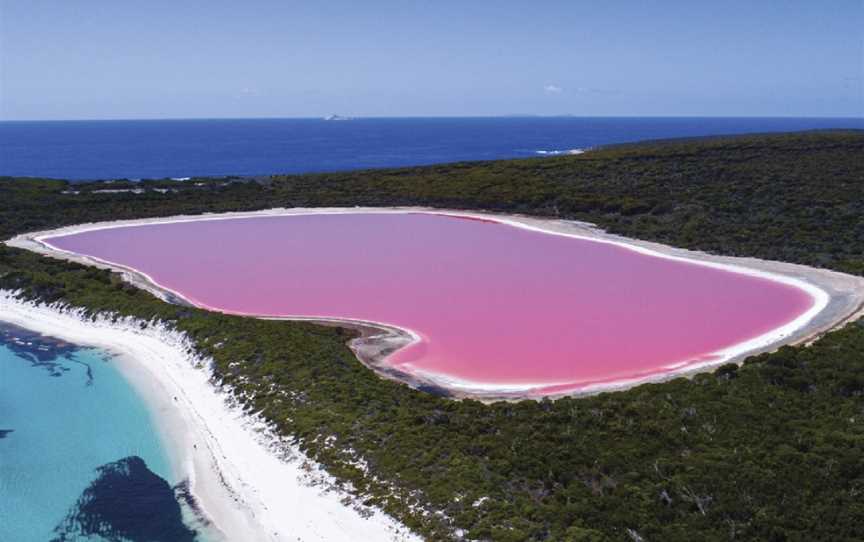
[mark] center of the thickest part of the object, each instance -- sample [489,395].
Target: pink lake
[494,305]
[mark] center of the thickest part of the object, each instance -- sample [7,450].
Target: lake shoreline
[837,298]
[246,481]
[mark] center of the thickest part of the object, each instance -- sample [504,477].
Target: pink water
[492,303]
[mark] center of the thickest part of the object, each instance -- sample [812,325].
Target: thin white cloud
[552,89]
[591,90]
[247,92]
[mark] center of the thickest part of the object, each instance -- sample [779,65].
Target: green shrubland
[771,450]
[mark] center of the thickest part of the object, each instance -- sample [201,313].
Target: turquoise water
[80,458]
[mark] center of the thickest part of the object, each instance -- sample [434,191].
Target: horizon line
[383,117]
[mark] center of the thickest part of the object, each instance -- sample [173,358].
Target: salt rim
[819,297]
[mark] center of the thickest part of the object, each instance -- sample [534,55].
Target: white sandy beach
[250,485]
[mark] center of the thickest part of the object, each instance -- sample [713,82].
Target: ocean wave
[559,152]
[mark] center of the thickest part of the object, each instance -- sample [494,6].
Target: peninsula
[701,455]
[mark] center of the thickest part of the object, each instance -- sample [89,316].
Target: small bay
[80,454]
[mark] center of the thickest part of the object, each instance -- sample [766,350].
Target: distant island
[338,117]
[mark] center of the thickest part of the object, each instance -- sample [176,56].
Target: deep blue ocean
[138,149]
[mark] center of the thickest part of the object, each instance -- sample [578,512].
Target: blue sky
[63,59]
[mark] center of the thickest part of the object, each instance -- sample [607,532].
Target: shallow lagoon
[492,305]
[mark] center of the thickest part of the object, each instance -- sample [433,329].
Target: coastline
[247,482]
[837,299]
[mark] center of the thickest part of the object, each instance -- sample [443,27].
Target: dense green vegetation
[768,451]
